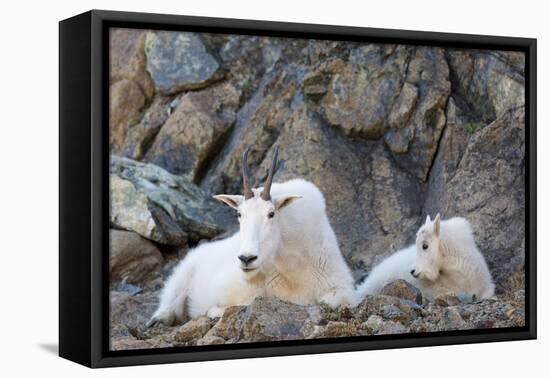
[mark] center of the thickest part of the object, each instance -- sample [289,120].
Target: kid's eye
[271,214]
[238,214]
[424,246]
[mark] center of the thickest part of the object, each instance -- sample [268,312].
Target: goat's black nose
[412,272]
[247,259]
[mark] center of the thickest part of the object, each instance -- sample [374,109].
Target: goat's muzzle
[247,259]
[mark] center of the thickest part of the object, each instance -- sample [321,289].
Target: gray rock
[162,207]
[491,82]
[403,107]
[126,103]
[133,259]
[132,210]
[379,326]
[389,308]
[128,288]
[519,295]
[467,298]
[266,319]
[258,124]
[258,52]
[415,134]
[191,136]
[178,61]
[129,343]
[141,135]
[399,140]
[398,93]
[403,289]
[247,59]
[193,330]
[446,300]
[338,329]
[361,94]
[210,340]
[451,320]
[129,313]
[127,58]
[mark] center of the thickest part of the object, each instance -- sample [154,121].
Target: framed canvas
[234,188]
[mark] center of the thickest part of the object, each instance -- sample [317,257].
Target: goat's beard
[427,277]
[255,276]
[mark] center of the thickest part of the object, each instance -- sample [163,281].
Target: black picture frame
[84,195]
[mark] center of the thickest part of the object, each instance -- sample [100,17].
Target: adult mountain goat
[285,248]
[444,260]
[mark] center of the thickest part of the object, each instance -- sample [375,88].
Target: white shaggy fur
[297,258]
[444,260]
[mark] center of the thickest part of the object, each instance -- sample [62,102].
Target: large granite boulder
[162,207]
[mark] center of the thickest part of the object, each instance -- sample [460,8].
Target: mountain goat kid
[285,248]
[444,260]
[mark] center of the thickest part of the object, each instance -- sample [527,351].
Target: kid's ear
[231,200]
[428,219]
[282,201]
[437,227]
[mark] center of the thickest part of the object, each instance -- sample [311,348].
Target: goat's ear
[428,219]
[283,201]
[437,224]
[231,200]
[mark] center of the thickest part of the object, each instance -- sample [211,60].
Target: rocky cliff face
[389,133]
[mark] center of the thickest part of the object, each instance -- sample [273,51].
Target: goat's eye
[271,214]
[424,246]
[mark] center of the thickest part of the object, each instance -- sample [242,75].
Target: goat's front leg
[167,318]
[172,308]
[174,297]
